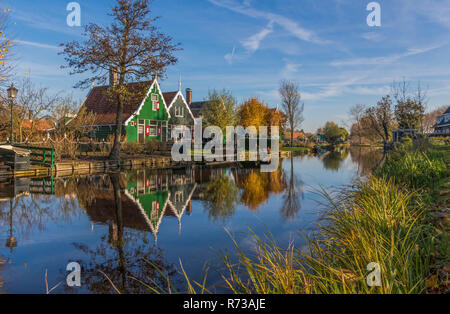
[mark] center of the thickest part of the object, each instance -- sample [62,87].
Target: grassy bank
[295,149]
[389,220]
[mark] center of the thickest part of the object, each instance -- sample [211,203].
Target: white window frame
[154,98]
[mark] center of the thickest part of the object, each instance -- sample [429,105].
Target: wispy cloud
[230,56]
[289,25]
[385,59]
[252,44]
[35,44]
[290,70]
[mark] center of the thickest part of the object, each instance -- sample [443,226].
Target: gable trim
[179,93]
[145,98]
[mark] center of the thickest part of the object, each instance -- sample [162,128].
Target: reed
[372,222]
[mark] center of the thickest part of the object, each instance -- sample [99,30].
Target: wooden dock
[71,168]
[64,169]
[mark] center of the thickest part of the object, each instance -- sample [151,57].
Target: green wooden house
[147,112]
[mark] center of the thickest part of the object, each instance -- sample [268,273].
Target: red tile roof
[287,135]
[38,125]
[105,108]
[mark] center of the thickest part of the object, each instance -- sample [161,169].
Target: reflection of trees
[35,211]
[220,196]
[333,160]
[255,190]
[120,257]
[257,187]
[367,158]
[291,198]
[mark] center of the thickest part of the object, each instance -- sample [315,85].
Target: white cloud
[289,25]
[372,36]
[253,43]
[35,44]
[385,59]
[289,70]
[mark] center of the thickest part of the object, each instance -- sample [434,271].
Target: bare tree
[356,115]
[32,103]
[410,105]
[131,47]
[381,120]
[291,105]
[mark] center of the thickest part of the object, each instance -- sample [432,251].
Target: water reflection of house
[146,200]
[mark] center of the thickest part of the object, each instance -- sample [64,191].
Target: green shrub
[416,170]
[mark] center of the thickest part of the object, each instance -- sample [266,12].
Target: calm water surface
[123,224]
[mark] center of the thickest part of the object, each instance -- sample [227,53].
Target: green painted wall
[147,113]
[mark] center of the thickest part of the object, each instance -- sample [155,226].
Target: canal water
[123,225]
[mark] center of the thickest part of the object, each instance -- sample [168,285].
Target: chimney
[113,76]
[189,96]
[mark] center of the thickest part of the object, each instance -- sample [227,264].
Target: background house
[180,113]
[442,126]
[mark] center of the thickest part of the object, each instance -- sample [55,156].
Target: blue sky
[248,46]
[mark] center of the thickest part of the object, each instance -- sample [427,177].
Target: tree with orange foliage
[253,112]
[276,117]
[5,45]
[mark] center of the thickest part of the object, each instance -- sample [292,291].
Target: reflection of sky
[200,239]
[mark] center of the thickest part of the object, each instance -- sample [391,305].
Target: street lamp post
[12,93]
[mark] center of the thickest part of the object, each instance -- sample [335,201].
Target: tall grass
[373,222]
[415,170]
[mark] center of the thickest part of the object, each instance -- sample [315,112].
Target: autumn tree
[5,45]
[131,47]
[220,110]
[253,113]
[275,117]
[292,106]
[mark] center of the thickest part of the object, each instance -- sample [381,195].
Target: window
[153,128]
[179,197]
[179,111]
[155,211]
[155,102]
